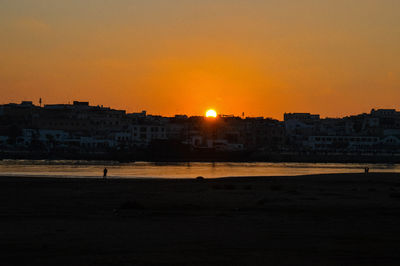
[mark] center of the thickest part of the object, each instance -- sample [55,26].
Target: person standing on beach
[105,173]
[366,170]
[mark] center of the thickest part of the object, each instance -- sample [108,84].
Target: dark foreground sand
[346,219]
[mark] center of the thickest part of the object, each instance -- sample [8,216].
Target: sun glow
[211,113]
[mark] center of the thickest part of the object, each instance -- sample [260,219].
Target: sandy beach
[338,219]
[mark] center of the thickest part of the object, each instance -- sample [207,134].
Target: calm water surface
[178,170]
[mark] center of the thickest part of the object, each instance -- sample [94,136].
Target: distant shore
[335,219]
[212,156]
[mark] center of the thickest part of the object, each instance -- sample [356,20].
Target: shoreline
[198,178]
[244,156]
[146,170]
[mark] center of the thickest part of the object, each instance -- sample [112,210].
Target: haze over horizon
[264,58]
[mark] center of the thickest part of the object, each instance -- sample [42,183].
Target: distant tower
[40,102]
[243,114]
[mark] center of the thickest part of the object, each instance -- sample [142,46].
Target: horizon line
[220,114]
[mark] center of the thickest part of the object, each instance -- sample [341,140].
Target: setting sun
[211,113]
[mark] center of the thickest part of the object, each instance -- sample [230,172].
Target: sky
[260,57]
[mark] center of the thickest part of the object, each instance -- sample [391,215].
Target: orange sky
[263,58]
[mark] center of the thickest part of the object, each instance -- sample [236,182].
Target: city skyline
[81,128]
[132,109]
[263,58]
[208,113]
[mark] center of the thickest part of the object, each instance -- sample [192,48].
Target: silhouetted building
[80,127]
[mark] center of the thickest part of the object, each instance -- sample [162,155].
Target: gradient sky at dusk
[261,57]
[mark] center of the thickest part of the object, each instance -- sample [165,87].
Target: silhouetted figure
[105,173]
[366,170]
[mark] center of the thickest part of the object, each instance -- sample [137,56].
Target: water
[94,169]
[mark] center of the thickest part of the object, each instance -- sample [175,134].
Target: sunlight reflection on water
[178,170]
